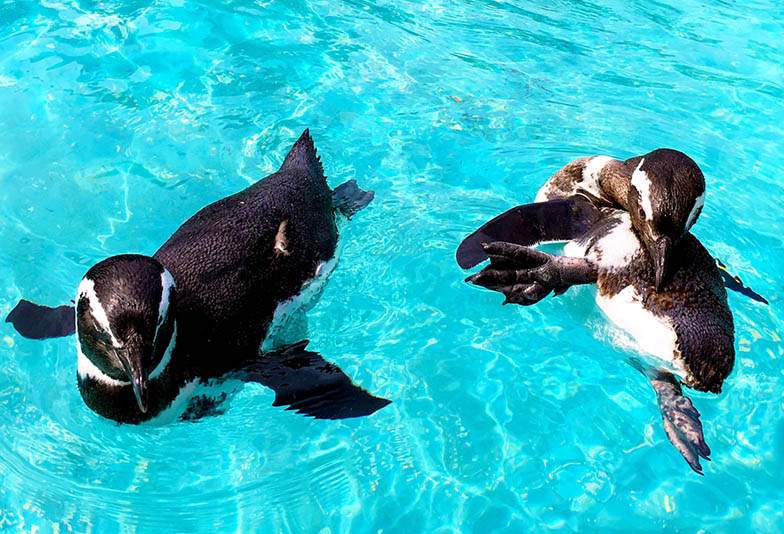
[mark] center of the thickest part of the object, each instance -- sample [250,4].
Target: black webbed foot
[348,198]
[513,272]
[526,275]
[681,420]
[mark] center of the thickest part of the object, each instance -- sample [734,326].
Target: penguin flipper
[734,283]
[348,198]
[530,224]
[681,419]
[306,383]
[34,321]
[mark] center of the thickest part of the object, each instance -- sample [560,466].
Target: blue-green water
[118,119]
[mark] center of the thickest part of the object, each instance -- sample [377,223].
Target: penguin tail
[303,156]
[348,198]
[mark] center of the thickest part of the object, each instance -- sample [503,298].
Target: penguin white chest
[614,250]
[652,335]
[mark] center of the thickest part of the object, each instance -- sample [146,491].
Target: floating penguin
[173,335]
[665,181]
[655,280]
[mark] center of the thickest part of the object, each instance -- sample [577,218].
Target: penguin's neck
[615,182]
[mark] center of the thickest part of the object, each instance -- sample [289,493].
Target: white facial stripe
[86,290]
[87,369]
[695,211]
[642,184]
[161,367]
[167,283]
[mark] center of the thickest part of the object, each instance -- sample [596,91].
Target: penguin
[221,303]
[663,181]
[673,303]
[683,331]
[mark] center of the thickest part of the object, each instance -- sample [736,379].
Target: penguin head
[665,198]
[125,324]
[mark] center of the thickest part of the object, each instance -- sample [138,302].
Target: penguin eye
[641,213]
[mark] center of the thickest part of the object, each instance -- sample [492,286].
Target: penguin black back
[235,259]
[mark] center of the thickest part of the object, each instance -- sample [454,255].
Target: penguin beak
[660,253]
[131,363]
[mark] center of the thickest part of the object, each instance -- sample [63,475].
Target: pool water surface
[119,119]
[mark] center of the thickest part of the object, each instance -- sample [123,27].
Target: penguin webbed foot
[529,224]
[348,198]
[681,420]
[526,275]
[308,384]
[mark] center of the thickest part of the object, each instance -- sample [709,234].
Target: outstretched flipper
[530,224]
[681,419]
[308,384]
[348,198]
[525,275]
[734,283]
[34,321]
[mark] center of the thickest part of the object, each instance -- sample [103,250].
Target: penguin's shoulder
[694,259]
[593,177]
[564,182]
[611,243]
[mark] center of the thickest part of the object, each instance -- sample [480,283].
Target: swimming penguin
[171,335]
[664,181]
[678,315]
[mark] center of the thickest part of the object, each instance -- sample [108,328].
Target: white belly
[289,323]
[653,337]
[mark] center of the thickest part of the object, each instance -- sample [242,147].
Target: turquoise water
[118,119]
